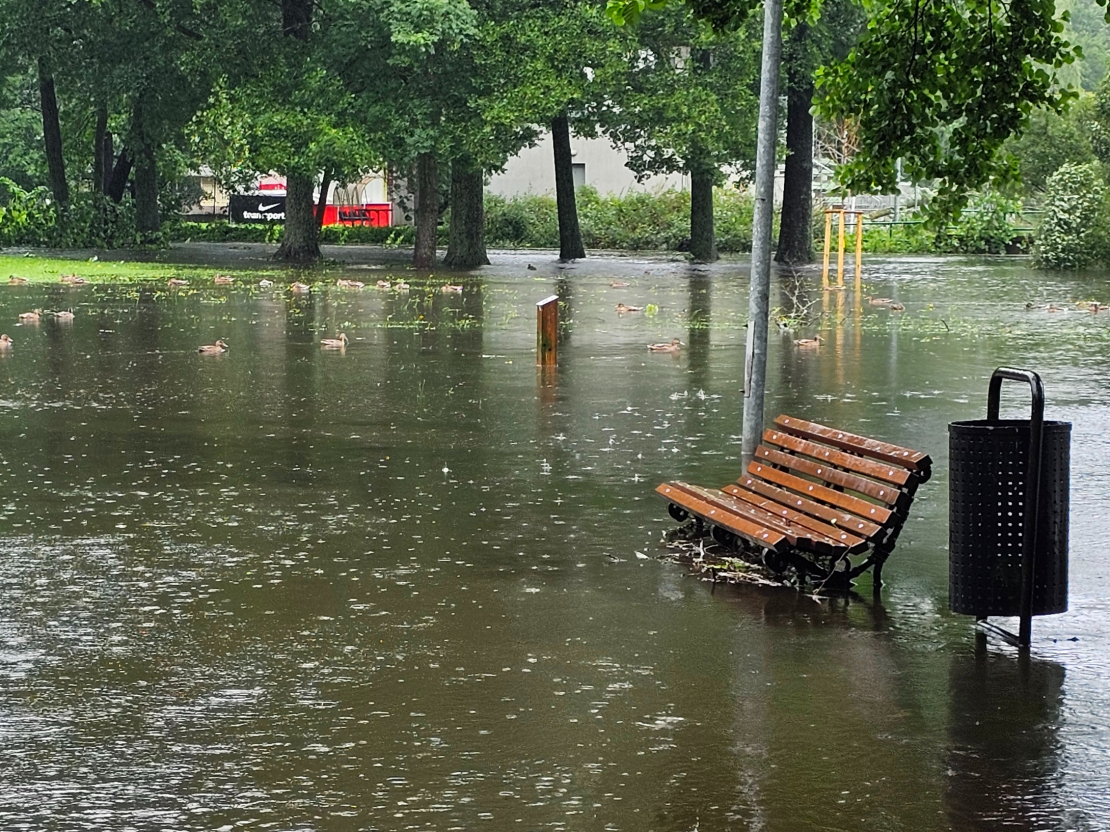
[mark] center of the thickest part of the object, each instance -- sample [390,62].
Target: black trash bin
[1008,555]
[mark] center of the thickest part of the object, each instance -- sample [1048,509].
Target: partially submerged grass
[38,268]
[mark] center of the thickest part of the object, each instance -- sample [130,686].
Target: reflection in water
[413,584]
[1004,746]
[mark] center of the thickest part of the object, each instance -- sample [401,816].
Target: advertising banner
[249,209]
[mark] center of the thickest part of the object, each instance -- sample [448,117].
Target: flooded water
[402,586]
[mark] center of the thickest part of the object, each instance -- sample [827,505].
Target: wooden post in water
[547,331]
[859,246]
[840,250]
[828,244]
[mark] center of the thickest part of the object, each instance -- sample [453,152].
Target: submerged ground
[401,586]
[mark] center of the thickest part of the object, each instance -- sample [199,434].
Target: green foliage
[27,218]
[910,237]
[984,227]
[1086,28]
[686,97]
[526,221]
[21,157]
[223,232]
[987,226]
[942,86]
[1051,140]
[30,218]
[633,222]
[1074,230]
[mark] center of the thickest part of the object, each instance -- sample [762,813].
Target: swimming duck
[1052,307]
[175,282]
[879,301]
[300,289]
[622,308]
[673,346]
[64,315]
[31,317]
[896,307]
[401,287]
[451,289]
[619,284]
[213,349]
[805,343]
[531,268]
[265,284]
[73,280]
[16,281]
[339,343]
[223,280]
[5,342]
[1029,306]
[383,284]
[349,284]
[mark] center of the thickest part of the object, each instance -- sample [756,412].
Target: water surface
[402,586]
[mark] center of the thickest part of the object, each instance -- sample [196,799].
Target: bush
[31,218]
[527,221]
[27,218]
[984,227]
[223,232]
[909,237]
[636,221]
[1073,233]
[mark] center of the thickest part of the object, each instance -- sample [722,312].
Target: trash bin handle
[1032,484]
[1028,376]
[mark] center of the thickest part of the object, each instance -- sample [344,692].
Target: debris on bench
[821,503]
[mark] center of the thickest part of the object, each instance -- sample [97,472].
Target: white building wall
[532,171]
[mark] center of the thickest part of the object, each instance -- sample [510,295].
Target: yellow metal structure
[841,213]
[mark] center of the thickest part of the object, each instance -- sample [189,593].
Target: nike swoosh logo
[268,207]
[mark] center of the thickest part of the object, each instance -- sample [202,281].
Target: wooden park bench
[814,498]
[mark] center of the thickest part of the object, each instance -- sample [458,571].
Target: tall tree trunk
[466,246]
[147,221]
[300,239]
[427,211]
[703,241]
[100,135]
[570,235]
[703,237]
[296,19]
[121,171]
[300,242]
[52,134]
[322,201]
[795,226]
[109,154]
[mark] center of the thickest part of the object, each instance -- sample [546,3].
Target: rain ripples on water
[404,585]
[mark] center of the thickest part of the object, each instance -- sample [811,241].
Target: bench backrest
[855,483]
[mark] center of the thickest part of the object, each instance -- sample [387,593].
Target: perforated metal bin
[989,465]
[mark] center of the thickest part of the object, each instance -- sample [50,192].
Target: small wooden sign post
[547,330]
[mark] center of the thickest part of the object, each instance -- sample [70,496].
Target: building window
[579,172]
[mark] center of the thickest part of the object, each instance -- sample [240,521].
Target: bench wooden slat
[797,534]
[913,460]
[840,519]
[816,491]
[895,474]
[827,473]
[854,543]
[759,535]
